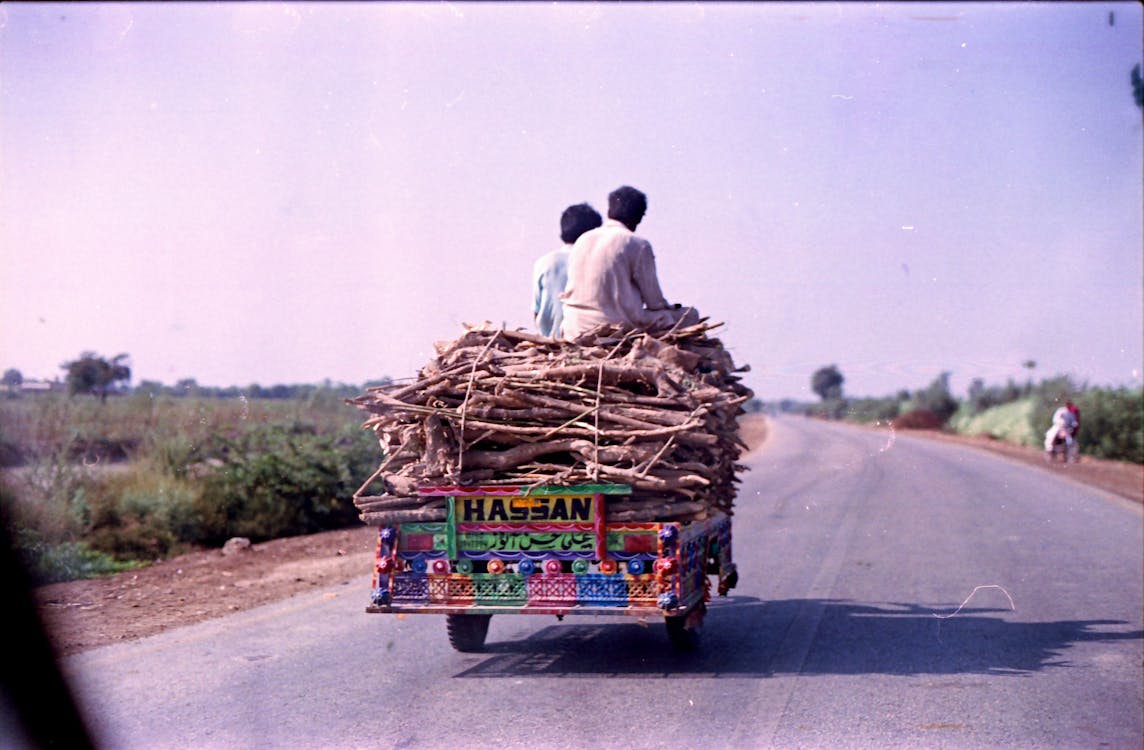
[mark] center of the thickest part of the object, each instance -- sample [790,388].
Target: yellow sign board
[536,509]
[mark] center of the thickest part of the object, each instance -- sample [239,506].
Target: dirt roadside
[82,615]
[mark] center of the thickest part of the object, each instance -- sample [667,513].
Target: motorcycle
[1063,446]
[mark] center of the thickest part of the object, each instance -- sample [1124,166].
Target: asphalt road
[894,593]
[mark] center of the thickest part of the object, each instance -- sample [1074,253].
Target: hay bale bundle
[500,407]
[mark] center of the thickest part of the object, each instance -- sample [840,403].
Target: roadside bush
[140,514]
[873,409]
[936,399]
[918,419]
[1112,423]
[173,455]
[52,496]
[273,468]
[279,481]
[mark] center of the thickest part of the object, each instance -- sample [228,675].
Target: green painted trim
[505,589]
[451,528]
[423,527]
[581,489]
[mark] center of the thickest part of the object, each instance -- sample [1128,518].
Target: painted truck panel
[547,550]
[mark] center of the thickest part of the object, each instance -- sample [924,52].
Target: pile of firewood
[499,407]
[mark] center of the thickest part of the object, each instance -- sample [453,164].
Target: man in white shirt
[612,276]
[550,272]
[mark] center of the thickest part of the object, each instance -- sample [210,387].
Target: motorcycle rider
[1063,428]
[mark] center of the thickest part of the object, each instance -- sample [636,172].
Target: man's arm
[646,280]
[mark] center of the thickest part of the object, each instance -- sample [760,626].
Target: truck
[549,550]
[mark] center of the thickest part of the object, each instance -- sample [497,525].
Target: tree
[827,383]
[13,378]
[936,398]
[186,387]
[96,375]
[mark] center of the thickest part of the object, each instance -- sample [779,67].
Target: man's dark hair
[627,206]
[576,220]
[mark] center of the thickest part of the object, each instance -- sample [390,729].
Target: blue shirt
[549,276]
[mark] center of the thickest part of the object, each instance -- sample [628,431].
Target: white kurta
[612,279]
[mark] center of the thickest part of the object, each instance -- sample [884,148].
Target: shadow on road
[746,637]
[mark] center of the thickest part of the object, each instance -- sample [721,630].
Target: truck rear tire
[467,632]
[683,630]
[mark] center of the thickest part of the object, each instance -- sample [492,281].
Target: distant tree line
[189,387]
[99,376]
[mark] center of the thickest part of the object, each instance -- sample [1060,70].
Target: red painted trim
[524,527]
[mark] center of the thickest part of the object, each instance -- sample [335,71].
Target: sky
[288,192]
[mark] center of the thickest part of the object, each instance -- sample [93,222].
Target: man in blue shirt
[550,272]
